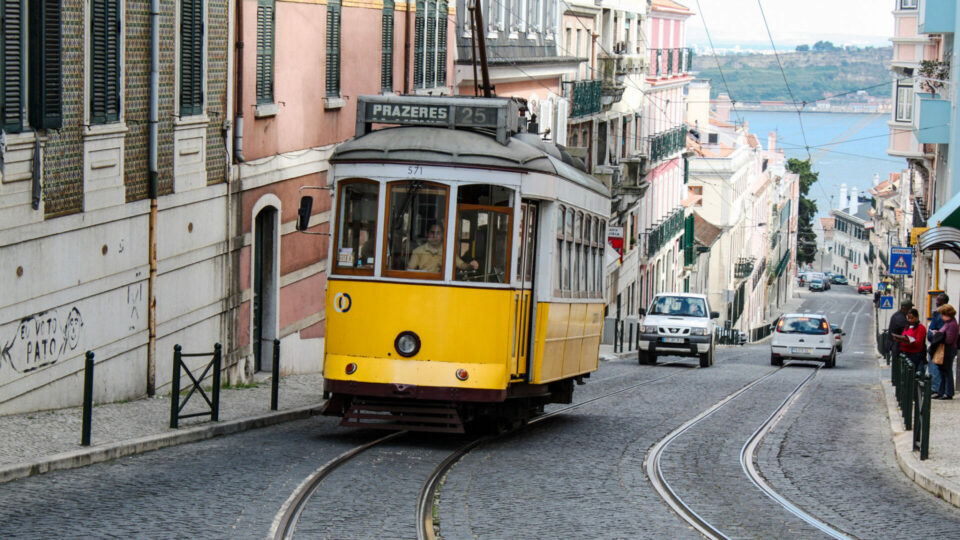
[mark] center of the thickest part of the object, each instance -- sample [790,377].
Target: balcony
[669,62]
[937,17]
[666,143]
[743,268]
[933,125]
[660,235]
[585,97]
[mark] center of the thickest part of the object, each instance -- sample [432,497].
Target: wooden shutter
[442,43]
[386,47]
[265,31]
[105,61]
[418,37]
[11,66]
[333,48]
[431,31]
[191,57]
[46,57]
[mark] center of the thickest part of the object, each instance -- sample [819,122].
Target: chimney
[698,105]
[854,201]
[876,179]
[772,141]
[843,197]
[723,107]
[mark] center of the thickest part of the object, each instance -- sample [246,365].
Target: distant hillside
[813,75]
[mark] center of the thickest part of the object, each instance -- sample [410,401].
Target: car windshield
[679,306]
[802,325]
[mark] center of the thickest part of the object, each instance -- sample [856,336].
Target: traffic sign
[886,302]
[901,261]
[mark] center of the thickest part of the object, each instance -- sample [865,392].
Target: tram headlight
[407,344]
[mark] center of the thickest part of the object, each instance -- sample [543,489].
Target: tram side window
[525,255]
[357,227]
[601,246]
[578,253]
[558,256]
[568,252]
[484,227]
[416,229]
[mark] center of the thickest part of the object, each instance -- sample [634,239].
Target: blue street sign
[901,261]
[886,302]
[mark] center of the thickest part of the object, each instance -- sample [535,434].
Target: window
[515,17]
[356,227]
[533,16]
[43,61]
[104,61]
[584,239]
[568,252]
[904,102]
[333,48]
[680,306]
[697,191]
[483,234]
[386,47]
[577,253]
[558,258]
[908,4]
[191,57]
[525,235]
[416,229]
[430,50]
[265,27]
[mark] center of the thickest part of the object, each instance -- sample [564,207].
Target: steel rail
[285,522]
[427,497]
[654,469]
[748,456]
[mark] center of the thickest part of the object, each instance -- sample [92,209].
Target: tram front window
[416,230]
[357,227]
[483,233]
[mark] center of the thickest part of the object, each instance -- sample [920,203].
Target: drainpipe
[238,93]
[154,188]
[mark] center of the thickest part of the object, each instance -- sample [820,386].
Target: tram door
[523,298]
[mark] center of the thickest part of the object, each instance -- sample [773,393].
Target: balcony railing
[666,143]
[743,268]
[585,97]
[661,234]
[668,62]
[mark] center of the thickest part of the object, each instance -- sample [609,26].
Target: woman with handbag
[943,355]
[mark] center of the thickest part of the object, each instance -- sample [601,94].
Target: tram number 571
[415,170]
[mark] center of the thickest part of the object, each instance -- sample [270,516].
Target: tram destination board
[499,114]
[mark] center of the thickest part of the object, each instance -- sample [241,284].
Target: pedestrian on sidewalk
[912,340]
[932,337]
[950,331]
[898,323]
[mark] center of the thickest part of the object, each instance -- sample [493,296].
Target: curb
[111,451]
[909,463]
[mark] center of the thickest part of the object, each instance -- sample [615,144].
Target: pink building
[664,133]
[298,78]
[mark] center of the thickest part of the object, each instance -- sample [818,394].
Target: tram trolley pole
[921,417]
[213,401]
[275,382]
[87,399]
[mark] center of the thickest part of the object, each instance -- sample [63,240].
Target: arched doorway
[265,287]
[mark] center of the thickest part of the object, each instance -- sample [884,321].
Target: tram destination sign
[459,112]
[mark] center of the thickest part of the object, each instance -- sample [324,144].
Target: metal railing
[213,401]
[586,97]
[666,143]
[671,61]
[743,268]
[664,232]
[912,393]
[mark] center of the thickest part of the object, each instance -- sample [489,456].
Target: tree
[823,46]
[807,211]
[803,48]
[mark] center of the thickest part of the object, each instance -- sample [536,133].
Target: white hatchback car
[803,336]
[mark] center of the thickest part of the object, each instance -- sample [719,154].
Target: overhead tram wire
[713,51]
[784,74]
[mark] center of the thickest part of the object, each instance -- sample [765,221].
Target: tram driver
[428,257]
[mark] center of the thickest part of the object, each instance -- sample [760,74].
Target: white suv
[804,336]
[677,324]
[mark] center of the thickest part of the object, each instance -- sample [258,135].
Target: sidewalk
[40,442]
[940,472]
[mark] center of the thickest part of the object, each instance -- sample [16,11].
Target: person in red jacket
[912,339]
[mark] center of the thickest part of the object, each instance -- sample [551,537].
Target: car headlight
[407,344]
[698,331]
[648,329]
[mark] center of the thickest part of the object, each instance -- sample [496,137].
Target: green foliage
[824,46]
[803,48]
[807,211]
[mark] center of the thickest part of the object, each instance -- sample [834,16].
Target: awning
[948,214]
[940,238]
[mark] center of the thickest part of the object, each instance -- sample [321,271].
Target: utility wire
[717,60]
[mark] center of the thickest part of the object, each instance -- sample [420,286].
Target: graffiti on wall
[42,339]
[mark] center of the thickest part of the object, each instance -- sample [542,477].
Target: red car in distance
[865,288]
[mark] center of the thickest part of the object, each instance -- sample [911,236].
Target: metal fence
[912,393]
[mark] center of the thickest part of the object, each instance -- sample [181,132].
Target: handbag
[937,357]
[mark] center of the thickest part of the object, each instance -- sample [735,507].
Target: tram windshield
[416,228]
[357,226]
[483,233]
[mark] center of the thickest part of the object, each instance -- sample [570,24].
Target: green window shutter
[431,32]
[105,61]
[11,66]
[191,57]
[333,48]
[46,52]
[442,44]
[686,170]
[418,29]
[386,47]
[265,32]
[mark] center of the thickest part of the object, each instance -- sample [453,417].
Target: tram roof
[456,147]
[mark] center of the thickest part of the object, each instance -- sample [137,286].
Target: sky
[792,22]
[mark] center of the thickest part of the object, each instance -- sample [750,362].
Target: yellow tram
[466,266]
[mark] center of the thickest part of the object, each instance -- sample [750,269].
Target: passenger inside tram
[428,257]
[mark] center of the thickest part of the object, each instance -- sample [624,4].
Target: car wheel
[775,360]
[647,357]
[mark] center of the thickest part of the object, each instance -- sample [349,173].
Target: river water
[845,148]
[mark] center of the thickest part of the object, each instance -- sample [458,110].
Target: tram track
[285,522]
[654,470]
